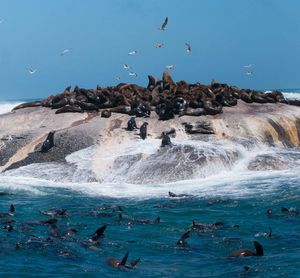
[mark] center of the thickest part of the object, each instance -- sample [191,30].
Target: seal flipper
[182,240]
[135,262]
[259,249]
[12,208]
[99,233]
[270,233]
[124,260]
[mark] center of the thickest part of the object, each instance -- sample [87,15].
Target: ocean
[233,195]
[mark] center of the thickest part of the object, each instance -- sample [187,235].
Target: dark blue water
[206,254]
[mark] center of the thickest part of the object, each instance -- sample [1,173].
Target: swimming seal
[54,212]
[183,238]
[143,131]
[131,124]
[117,263]
[48,143]
[259,251]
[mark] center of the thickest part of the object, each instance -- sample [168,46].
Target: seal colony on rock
[166,97]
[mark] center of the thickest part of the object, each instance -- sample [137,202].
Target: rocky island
[212,128]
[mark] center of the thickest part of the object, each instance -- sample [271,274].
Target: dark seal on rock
[131,124]
[166,140]
[105,113]
[48,143]
[143,131]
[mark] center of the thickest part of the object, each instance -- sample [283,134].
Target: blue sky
[224,34]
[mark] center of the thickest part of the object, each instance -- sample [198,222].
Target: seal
[48,143]
[183,238]
[143,131]
[69,109]
[259,251]
[166,140]
[105,113]
[123,263]
[55,212]
[131,124]
[27,105]
[167,80]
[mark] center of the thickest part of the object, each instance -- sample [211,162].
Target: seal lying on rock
[167,97]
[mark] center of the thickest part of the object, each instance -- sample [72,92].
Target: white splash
[7,106]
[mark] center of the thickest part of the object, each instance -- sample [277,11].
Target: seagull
[132,52]
[159,45]
[65,51]
[125,66]
[189,48]
[131,73]
[31,71]
[248,66]
[118,78]
[170,67]
[164,25]
[249,72]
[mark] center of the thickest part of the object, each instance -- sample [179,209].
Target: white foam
[291,95]
[235,181]
[6,107]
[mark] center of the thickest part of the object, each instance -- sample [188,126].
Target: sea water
[237,197]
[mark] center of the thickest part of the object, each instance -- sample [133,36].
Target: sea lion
[167,80]
[184,237]
[165,111]
[69,109]
[48,143]
[55,212]
[50,221]
[131,124]
[8,228]
[180,105]
[105,113]
[151,83]
[117,263]
[143,131]
[166,140]
[205,227]
[259,251]
[173,195]
[98,234]
[10,213]
[27,105]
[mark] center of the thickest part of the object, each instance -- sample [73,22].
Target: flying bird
[32,71]
[65,51]
[125,66]
[189,48]
[159,45]
[131,73]
[249,73]
[132,52]
[249,66]
[170,67]
[118,78]
[164,25]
